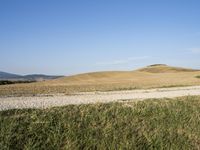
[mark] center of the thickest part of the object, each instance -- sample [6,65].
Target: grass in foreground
[151,124]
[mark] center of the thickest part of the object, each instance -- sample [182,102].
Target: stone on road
[94,97]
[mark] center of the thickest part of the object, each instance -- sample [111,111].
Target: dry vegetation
[149,77]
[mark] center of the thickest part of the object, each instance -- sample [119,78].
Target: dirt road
[45,101]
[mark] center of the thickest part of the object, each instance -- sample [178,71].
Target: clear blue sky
[75,36]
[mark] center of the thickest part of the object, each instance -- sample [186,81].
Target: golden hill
[162,68]
[149,77]
[140,75]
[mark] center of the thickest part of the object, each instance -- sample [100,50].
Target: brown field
[149,77]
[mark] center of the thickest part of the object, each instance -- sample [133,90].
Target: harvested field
[144,78]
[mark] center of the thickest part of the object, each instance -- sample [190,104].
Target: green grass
[151,124]
[198,76]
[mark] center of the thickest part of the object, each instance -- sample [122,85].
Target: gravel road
[46,101]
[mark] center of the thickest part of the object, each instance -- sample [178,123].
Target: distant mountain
[5,75]
[40,77]
[31,77]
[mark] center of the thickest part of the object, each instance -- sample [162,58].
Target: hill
[5,76]
[32,77]
[40,77]
[162,68]
[153,76]
[140,75]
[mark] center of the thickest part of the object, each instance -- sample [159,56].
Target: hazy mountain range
[31,77]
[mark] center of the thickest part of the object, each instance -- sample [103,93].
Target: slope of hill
[162,68]
[146,74]
[164,76]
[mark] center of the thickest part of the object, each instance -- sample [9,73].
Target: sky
[65,37]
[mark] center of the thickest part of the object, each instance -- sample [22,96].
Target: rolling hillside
[149,77]
[148,74]
[162,68]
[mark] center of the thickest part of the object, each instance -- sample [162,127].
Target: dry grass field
[149,77]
